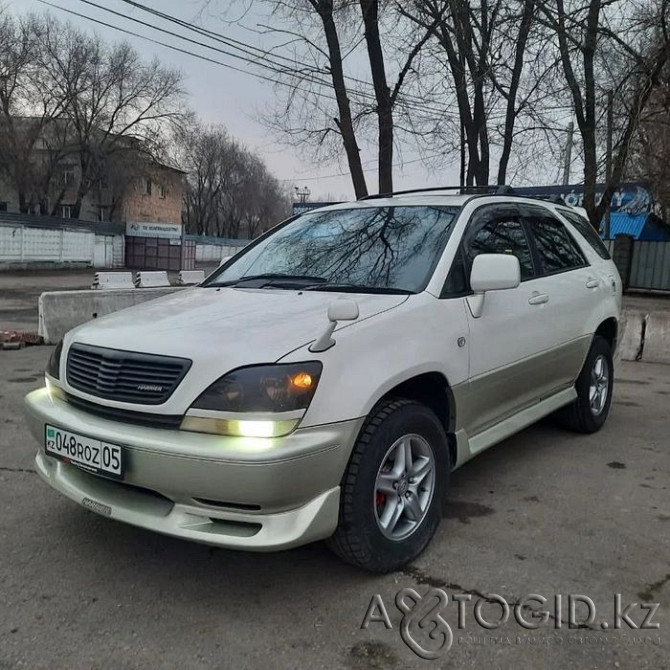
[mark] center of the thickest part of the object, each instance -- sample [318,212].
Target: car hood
[225,328]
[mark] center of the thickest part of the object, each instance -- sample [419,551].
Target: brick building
[124,186]
[40,173]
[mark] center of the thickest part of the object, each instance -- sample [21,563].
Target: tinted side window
[588,232]
[556,249]
[498,230]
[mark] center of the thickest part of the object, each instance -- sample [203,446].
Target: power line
[261,60]
[372,169]
[175,48]
[262,53]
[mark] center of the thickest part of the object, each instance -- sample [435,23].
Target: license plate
[84,452]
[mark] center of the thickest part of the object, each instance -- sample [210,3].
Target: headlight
[257,401]
[53,366]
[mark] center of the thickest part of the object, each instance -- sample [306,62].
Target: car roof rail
[462,190]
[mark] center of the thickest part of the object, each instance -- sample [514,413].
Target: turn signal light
[303,380]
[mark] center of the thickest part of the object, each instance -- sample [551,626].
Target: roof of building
[639,226]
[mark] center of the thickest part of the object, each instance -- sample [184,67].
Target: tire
[379,453]
[582,415]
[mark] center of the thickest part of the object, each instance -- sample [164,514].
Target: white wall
[25,244]
[213,253]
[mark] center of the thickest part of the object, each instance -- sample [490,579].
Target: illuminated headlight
[53,366]
[257,401]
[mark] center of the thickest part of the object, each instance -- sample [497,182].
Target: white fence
[213,253]
[21,244]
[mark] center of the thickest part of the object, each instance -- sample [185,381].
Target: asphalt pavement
[546,512]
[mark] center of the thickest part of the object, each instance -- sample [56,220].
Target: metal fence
[650,266]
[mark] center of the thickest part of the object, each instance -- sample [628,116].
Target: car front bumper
[248,493]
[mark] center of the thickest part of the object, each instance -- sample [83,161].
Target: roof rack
[462,190]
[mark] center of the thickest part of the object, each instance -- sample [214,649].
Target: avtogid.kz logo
[426,631]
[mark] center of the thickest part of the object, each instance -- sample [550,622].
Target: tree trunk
[517,69]
[370,12]
[345,120]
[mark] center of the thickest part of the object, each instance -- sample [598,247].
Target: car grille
[124,376]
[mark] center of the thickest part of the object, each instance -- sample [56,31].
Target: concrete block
[657,338]
[60,311]
[152,279]
[188,277]
[630,335]
[113,280]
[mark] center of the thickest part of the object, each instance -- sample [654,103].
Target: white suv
[325,381]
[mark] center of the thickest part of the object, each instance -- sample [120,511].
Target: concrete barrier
[60,311]
[630,336]
[113,280]
[189,277]
[657,338]
[152,279]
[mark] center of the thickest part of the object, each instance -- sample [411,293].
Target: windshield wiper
[358,288]
[272,279]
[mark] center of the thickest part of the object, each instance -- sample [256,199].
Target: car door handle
[592,283]
[538,299]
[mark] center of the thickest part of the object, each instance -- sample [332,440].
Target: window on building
[3,206]
[146,186]
[103,213]
[66,211]
[161,190]
[68,174]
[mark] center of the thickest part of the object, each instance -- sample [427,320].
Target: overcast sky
[234,99]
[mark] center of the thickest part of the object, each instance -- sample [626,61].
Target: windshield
[392,248]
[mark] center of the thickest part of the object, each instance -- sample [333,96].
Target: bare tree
[650,147]
[28,112]
[600,53]
[114,101]
[491,53]
[229,191]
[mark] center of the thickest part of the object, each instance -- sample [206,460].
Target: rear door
[571,288]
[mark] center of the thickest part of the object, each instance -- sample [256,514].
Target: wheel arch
[431,389]
[609,330]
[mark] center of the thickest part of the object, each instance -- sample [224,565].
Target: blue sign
[632,198]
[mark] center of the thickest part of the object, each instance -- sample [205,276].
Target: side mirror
[225,259]
[492,272]
[338,310]
[343,310]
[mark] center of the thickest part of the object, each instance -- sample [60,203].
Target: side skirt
[469,447]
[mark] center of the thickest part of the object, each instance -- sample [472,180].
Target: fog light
[256,428]
[238,428]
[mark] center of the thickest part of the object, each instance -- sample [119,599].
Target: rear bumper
[259,494]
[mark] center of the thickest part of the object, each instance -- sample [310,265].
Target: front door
[510,343]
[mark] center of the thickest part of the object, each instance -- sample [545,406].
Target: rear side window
[498,230]
[588,232]
[556,249]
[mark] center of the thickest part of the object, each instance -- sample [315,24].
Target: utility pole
[608,158]
[568,154]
